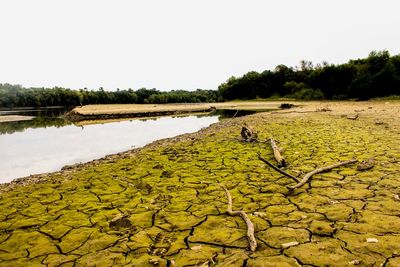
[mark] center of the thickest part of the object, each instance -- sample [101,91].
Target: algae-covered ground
[162,205]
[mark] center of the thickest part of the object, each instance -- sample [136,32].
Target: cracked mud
[162,206]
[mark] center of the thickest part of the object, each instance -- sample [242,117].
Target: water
[48,142]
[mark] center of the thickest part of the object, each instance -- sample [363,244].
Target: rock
[372,240]
[378,122]
[290,244]
[366,164]
[355,262]
[352,117]
[196,248]
[397,197]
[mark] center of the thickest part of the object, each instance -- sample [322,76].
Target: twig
[277,154]
[307,176]
[250,226]
[278,170]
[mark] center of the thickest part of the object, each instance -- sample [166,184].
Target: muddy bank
[161,205]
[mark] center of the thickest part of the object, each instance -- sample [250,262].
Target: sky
[182,44]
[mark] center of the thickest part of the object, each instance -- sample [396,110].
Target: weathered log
[248,134]
[277,154]
[250,226]
[307,176]
[278,170]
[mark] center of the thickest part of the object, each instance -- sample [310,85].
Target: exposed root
[307,176]
[277,154]
[278,170]
[250,226]
[248,134]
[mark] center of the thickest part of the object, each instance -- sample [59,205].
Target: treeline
[377,75]
[17,96]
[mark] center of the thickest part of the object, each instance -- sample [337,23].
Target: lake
[48,142]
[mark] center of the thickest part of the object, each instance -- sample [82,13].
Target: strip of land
[162,204]
[8,118]
[114,111]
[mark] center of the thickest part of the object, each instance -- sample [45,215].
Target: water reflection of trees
[38,122]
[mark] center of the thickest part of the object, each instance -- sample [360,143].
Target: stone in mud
[366,165]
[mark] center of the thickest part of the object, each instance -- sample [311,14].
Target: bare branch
[307,176]
[278,170]
[250,226]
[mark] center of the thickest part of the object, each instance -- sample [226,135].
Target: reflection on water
[38,122]
[48,142]
[38,150]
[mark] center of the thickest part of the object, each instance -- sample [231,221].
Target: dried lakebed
[162,204]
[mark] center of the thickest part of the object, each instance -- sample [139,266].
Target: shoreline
[68,169]
[162,202]
[302,109]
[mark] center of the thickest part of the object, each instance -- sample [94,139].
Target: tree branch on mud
[277,154]
[250,226]
[277,169]
[307,176]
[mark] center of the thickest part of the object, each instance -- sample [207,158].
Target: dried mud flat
[162,205]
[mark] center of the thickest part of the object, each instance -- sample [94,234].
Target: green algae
[169,192]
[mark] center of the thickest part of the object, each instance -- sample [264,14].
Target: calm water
[48,142]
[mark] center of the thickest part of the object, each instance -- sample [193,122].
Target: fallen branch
[250,226]
[307,176]
[278,170]
[277,154]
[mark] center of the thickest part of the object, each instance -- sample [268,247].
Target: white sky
[182,44]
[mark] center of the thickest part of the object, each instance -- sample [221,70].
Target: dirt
[162,206]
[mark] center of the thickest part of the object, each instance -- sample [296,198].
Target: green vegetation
[378,75]
[18,96]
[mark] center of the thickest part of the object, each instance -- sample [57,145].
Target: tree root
[250,226]
[248,134]
[307,176]
[278,170]
[277,154]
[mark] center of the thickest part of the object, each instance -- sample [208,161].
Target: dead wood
[248,134]
[250,226]
[307,176]
[278,170]
[277,154]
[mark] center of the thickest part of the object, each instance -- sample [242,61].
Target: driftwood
[307,176]
[278,170]
[277,154]
[248,134]
[250,226]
